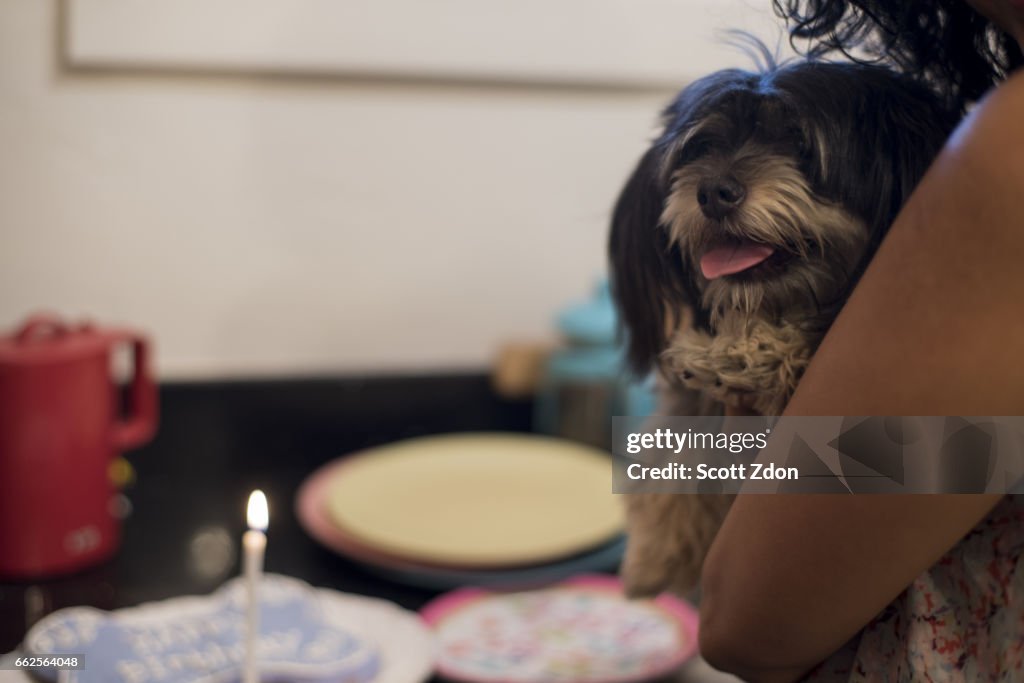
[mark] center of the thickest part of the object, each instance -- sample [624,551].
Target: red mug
[61,429]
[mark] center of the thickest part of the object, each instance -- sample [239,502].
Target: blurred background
[336,224]
[277,188]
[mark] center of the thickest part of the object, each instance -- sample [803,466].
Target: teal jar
[586,382]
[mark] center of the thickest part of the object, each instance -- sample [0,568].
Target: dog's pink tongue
[733,259]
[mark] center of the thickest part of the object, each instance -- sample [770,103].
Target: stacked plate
[484,509]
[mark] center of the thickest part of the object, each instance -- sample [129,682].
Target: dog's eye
[800,143]
[694,149]
[803,146]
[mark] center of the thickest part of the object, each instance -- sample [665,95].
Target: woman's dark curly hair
[957,51]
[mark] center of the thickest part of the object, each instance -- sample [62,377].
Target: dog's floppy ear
[648,283]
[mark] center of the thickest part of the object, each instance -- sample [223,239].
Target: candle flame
[257,514]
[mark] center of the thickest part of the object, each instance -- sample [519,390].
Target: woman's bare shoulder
[1012,90]
[975,185]
[993,133]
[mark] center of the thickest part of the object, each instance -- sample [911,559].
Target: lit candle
[254,543]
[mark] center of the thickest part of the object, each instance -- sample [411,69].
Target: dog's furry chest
[751,363]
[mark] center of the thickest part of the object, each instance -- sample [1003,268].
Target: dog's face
[754,227]
[765,194]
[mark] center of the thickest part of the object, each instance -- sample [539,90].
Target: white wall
[261,226]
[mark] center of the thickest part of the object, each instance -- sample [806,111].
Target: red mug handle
[139,425]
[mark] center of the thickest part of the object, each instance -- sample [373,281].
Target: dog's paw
[757,367]
[704,365]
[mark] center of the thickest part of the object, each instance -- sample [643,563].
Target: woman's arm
[935,327]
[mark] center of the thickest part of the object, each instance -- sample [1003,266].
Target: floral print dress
[962,620]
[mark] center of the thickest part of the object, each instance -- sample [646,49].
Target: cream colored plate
[481,500]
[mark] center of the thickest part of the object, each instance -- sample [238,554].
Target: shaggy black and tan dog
[739,237]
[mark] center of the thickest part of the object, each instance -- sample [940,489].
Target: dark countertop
[217,442]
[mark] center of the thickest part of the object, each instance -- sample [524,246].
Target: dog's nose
[720,196]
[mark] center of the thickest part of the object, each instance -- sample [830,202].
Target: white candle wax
[254,544]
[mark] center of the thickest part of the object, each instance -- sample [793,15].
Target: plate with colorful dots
[580,631]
